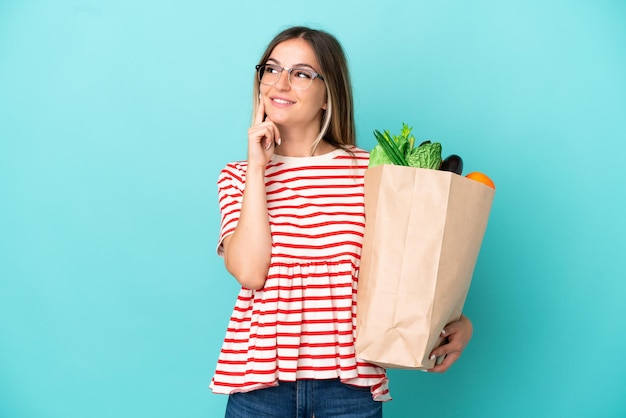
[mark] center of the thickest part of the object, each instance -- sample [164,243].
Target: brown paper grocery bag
[423,232]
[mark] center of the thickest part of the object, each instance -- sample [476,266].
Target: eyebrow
[295,65]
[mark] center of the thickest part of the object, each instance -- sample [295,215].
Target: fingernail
[443,332]
[279,141]
[432,357]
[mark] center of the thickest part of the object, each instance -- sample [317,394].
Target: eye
[304,74]
[272,69]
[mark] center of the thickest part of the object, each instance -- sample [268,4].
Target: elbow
[249,276]
[252,281]
[249,268]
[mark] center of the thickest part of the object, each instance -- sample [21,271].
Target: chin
[277,119]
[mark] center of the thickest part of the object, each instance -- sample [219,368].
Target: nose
[283,81]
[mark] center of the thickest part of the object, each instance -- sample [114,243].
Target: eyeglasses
[299,78]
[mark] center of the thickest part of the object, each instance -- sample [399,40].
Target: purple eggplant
[452,163]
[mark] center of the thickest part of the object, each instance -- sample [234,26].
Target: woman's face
[285,105]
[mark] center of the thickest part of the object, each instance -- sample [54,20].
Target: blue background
[116,117]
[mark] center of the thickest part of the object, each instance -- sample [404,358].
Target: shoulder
[234,171]
[359,151]
[236,165]
[355,157]
[356,153]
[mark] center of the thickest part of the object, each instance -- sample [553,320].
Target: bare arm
[247,251]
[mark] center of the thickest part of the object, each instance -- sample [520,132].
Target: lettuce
[378,156]
[399,150]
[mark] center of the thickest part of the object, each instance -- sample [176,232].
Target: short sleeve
[230,186]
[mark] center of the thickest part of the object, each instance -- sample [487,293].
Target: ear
[324,106]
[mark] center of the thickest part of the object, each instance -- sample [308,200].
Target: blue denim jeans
[305,399]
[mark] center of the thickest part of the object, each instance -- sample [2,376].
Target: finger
[458,337]
[451,345]
[272,137]
[260,112]
[266,135]
[448,360]
[441,350]
[451,328]
[275,130]
[269,139]
[276,134]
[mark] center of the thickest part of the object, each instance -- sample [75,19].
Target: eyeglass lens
[299,78]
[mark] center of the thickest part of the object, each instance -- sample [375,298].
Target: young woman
[291,233]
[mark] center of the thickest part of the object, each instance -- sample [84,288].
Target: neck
[299,143]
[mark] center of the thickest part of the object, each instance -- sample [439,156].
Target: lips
[281,101]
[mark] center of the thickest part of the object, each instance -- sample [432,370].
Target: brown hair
[337,126]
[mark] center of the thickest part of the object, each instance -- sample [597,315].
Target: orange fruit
[481,177]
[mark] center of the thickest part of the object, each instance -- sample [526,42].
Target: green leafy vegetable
[378,156]
[427,155]
[400,150]
[391,147]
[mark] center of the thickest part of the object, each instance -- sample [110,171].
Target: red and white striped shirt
[301,325]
